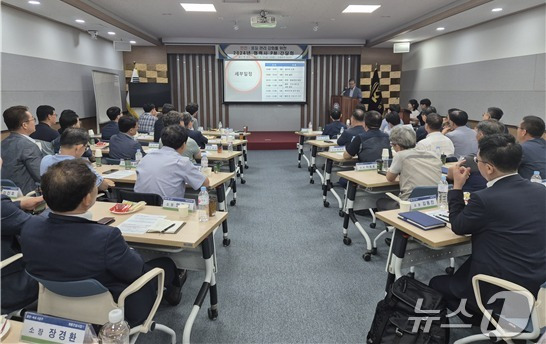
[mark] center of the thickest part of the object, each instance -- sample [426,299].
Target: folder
[421,220]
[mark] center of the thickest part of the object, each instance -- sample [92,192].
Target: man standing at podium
[352,91]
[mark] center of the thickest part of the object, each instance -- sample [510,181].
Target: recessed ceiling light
[34,2]
[361,8]
[81,21]
[111,33]
[132,42]
[498,9]
[198,7]
[440,28]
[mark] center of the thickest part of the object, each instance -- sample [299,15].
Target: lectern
[346,104]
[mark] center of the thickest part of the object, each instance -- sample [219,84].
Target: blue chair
[8,183]
[91,302]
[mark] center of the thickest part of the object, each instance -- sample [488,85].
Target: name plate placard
[173,203]
[154,145]
[211,147]
[423,202]
[323,138]
[11,191]
[39,328]
[366,166]
[305,130]
[336,149]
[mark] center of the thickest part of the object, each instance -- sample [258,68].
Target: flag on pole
[375,100]
[134,78]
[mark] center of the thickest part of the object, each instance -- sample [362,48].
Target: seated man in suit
[70,119]
[192,150]
[415,167]
[165,171]
[333,129]
[18,289]
[356,128]
[47,117]
[192,109]
[74,142]
[393,120]
[369,145]
[194,134]
[20,152]
[463,138]
[353,91]
[391,108]
[159,125]
[421,132]
[506,221]
[529,135]
[78,248]
[496,114]
[424,104]
[123,145]
[111,128]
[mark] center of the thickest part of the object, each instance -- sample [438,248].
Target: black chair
[111,161]
[129,195]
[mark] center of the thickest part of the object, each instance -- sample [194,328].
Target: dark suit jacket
[333,129]
[158,128]
[44,133]
[22,160]
[421,133]
[198,137]
[122,146]
[18,289]
[357,93]
[534,158]
[110,129]
[348,135]
[506,221]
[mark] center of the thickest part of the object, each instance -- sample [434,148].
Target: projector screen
[264,81]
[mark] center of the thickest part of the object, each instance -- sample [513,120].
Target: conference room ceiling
[152,22]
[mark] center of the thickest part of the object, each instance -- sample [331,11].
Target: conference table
[431,245]
[338,158]
[139,137]
[238,145]
[192,247]
[217,181]
[302,137]
[315,145]
[230,157]
[241,135]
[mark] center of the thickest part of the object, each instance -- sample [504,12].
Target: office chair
[8,183]
[129,195]
[91,302]
[508,329]
[111,161]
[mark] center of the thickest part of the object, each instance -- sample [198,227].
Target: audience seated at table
[194,134]
[124,145]
[147,120]
[414,167]
[192,150]
[18,289]
[423,105]
[69,246]
[384,124]
[111,128]
[74,142]
[506,223]
[159,125]
[463,138]
[47,117]
[434,137]
[393,120]
[413,106]
[496,114]
[333,129]
[529,135]
[421,132]
[475,180]
[369,145]
[356,127]
[20,152]
[166,171]
[192,109]
[70,119]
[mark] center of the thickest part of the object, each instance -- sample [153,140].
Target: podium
[346,104]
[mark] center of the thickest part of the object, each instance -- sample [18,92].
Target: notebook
[421,220]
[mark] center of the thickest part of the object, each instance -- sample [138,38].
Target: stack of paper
[142,223]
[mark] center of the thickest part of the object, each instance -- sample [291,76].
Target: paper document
[120,174]
[139,223]
[442,215]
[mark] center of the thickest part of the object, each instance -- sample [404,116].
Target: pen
[163,231]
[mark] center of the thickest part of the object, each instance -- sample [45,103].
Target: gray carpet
[287,277]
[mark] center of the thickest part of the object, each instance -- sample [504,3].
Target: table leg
[240,164]
[326,184]
[313,166]
[221,194]
[398,250]
[350,214]
[208,284]
[300,150]
[245,150]
[233,183]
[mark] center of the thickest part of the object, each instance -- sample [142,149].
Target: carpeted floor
[287,277]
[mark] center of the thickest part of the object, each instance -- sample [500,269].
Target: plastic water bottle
[220,125]
[536,178]
[385,158]
[138,156]
[310,126]
[203,204]
[443,188]
[116,330]
[204,161]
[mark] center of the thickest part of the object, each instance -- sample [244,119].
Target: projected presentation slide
[264,81]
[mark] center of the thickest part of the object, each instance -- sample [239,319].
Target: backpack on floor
[401,318]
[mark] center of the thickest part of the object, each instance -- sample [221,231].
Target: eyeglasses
[32,119]
[482,161]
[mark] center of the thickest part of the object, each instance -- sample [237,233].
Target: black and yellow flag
[375,100]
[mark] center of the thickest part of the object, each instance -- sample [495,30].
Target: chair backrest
[149,198]
[87,300]
[47,147]
[111,161]
[541,306]
[420,191]
[8,183]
